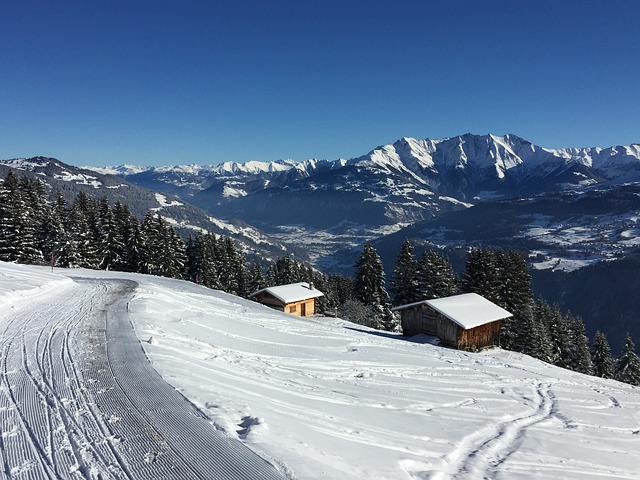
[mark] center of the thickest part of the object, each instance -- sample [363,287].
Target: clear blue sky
[171,82]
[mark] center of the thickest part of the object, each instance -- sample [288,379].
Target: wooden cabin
[295,298]
[466,322]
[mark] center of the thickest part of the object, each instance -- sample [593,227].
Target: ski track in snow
[480,454]
[78,399]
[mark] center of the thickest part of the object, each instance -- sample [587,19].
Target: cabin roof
[293,292]
[469,310]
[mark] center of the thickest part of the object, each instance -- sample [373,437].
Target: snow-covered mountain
[327,204]
[467,167]
[316,398]
[185,217]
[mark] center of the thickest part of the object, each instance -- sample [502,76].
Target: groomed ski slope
[326,399]
[78,398]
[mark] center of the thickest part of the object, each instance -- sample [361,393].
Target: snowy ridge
[499,154]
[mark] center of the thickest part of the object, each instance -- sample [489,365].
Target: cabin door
[303,310]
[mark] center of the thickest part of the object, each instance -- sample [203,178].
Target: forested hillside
[91,233]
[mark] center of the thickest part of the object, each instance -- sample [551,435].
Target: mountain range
[336,205]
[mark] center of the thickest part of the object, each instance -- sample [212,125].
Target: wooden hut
[295,298]
[466,322]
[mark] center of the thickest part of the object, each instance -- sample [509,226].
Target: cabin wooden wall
[303,308]
[424,319]
[486,335]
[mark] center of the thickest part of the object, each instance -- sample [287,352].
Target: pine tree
[532,336]
[154,254]
[256,277]
[110,244]
[177,258]
[285,271]
[30,216]
[368,287]
[577,356]
[230,265]
[9,203]
[128,233]
[21,205]
[51,233]
[78,249]
[481,275]
[627,366]
[435,277]
[601,356]
[557,331]
[404,282]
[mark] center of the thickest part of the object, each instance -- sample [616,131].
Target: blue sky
[172,82]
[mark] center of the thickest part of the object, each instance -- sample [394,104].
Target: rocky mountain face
[325,204]
[184,217]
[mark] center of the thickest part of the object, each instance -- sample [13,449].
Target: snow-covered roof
[293,292]
[468,310]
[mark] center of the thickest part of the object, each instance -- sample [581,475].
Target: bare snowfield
[326,399]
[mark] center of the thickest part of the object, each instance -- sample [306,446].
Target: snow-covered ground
[325,399]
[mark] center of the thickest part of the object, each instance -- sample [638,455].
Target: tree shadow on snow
[421,338]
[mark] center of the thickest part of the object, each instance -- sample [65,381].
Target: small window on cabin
[293,309]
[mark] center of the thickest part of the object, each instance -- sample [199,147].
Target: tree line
[91,233]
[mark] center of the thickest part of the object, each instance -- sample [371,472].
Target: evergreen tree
[110,244]
[557,332]
[177,258]
[78,249]
[19,206]
[435,277]
[51,233]
[201,262]
[515,283]
[481,275]
[31,215]
[601,356]
[532,338]
[404,283]
[284,271]
[368,287]
[337,290]
[9,203]
[128,233]
[154,254]
[230,266]
[256,277]
[577,356]
[627,366]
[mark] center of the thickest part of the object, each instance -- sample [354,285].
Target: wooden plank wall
[424,319]
[486,335]
[296,308]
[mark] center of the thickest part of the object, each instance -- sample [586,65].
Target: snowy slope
[323,398]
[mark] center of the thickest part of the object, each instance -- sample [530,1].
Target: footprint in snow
[247,424]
